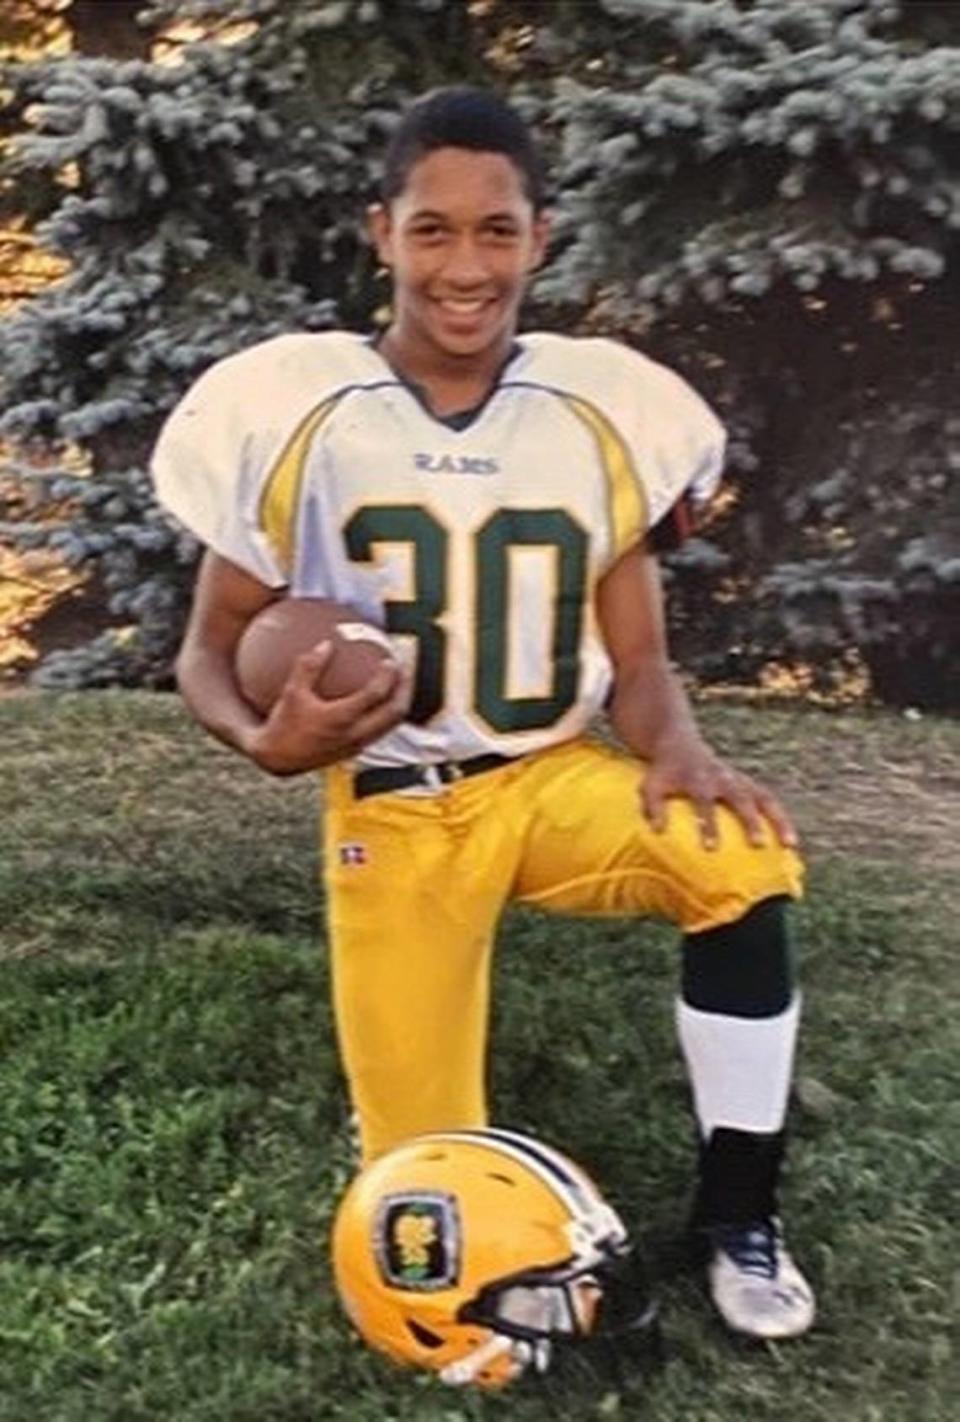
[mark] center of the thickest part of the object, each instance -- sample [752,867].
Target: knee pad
[741,969]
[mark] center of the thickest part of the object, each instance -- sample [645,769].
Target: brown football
[285,629]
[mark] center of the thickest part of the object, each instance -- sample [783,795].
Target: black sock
[739,1172]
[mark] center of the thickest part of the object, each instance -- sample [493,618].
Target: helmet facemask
[541,1309]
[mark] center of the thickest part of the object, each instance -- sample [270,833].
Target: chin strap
[465,1370]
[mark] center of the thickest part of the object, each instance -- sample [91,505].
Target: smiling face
[460,240]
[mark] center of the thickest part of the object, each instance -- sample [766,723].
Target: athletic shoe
[755,1285]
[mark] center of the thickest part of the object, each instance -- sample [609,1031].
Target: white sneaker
[755,1285]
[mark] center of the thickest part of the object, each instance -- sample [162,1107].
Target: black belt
[379,780]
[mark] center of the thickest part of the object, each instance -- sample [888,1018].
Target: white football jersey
[309,463]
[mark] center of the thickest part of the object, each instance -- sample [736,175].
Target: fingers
[706,813]
[702,789]
[368,713]
[754,806]
[369,725]
[741,797]
[751,803]
[383,684]
[773,811]
[653,798]
[308,666]
[311,730]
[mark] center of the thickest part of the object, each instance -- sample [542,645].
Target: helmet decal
[417,1240]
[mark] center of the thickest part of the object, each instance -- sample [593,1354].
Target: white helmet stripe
[573,1180]
[575,1189]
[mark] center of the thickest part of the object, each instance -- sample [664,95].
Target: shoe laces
[752,1247]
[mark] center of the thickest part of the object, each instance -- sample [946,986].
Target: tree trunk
[108,28]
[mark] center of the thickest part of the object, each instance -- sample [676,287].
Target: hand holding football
[284,630]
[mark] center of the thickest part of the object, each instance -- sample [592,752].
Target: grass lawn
[173,1131]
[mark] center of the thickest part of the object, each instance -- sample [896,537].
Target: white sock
[740,1067]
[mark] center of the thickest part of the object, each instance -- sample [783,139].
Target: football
[285,629]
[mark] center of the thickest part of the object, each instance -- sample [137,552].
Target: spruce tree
[770,195]
[203,205]
[764,195]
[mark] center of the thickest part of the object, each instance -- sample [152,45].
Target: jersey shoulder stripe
[627,503]
[225,464]
[655,431]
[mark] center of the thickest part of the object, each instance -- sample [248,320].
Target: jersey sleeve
[679,446]
[662,446]
[208,467]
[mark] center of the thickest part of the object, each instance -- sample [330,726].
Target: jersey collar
[457,419]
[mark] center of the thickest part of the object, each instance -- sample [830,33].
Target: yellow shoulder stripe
[280,500]
[625,496]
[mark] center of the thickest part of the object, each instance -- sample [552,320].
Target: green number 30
[420,616]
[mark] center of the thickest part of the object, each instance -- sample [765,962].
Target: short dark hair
[463,117]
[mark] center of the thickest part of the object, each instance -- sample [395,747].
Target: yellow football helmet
[470,1253]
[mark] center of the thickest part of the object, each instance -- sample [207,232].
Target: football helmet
[472,1253]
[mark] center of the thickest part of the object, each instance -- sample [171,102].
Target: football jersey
[308,462]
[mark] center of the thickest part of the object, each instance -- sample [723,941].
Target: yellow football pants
[416,885]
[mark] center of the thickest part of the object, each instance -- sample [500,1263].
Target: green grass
[173,1133]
